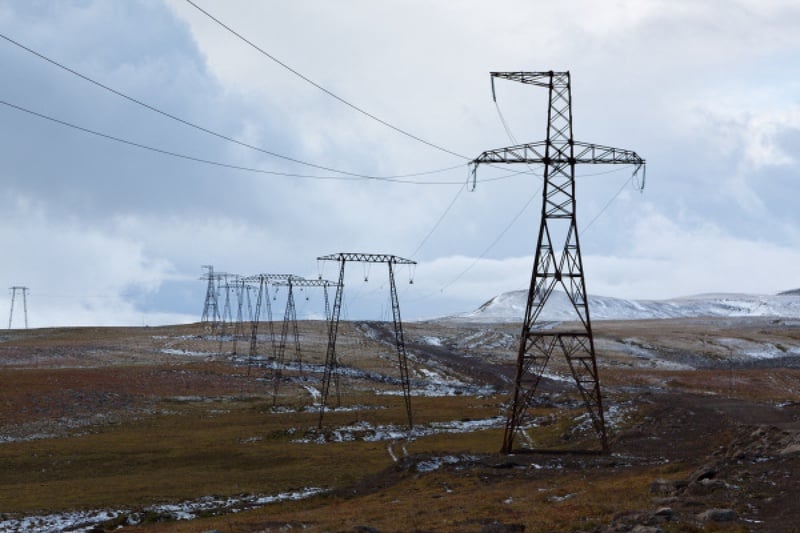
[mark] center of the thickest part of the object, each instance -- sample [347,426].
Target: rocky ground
[704,419]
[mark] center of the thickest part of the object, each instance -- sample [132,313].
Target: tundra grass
[470,499]
[190,449]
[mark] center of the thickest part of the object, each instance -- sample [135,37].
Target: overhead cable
[207,130]
[493,243]
[439,221]
[209,161]
[323,89]
[608,204]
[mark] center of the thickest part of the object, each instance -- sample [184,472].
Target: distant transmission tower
[263,300]
[24,291]
[558,254]
[290,321]
[331,362]
[211,305]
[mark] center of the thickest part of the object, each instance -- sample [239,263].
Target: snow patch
[510,307]
[173,351]
[432,341]
[435,463]
[365,431]
[83,521]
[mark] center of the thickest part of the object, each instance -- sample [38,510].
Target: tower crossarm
[302,282]
[530,153]
[269,278]
[367,258]
[541,79]
[597,153]
[537,153]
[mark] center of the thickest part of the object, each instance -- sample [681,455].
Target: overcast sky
[106,233]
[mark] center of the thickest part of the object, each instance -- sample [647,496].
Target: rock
[666,487]
[664,513]
[792,448]
[646,529]
[718,515]
[705,486]
[704,472]
[669,500]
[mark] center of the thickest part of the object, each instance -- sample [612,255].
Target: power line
[486,250]
[444,214]
[505,124]
[608,204]
[204,129]
[212,162]
[494,242]
[323,89]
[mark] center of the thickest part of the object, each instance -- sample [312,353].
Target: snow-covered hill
[510,306]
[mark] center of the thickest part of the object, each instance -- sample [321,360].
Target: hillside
[510,307]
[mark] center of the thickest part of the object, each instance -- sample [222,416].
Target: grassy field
[135,420]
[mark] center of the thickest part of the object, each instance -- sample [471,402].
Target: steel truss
[226,283]
[262,300]
[211,306]
[331,362]
[290,321]
[24,291]
[556,264]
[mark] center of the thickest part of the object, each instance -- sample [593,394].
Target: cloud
[671,257]
[78,274]
[705,92]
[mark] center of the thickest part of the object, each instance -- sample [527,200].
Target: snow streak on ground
[173,351]
[756,350]
[83,521]
[435,463]
[434,384]
[367,432]
[429,382]
[433,341]
[314,392]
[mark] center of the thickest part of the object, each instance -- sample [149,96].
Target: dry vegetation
[131,419]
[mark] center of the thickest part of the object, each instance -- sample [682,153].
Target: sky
[114,231]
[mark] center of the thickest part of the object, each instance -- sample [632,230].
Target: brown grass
[131,427]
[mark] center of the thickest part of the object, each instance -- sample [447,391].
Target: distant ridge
[510,306]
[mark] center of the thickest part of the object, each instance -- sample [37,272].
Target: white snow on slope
[510,306]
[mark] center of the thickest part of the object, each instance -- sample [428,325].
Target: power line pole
[290,321]
[558,255]
[24,291]
[331,362]
[210,307]
[263,300]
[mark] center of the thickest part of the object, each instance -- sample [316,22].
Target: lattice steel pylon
[558,256]
[210,307]
[262,300]
[331,362]
[24,291]
[290,322]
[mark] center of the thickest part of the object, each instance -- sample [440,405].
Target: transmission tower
[263,300]
[24,291]
[227,284]
[211,306]
[241,291]
[290,322]
[557,261]
[331,363]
